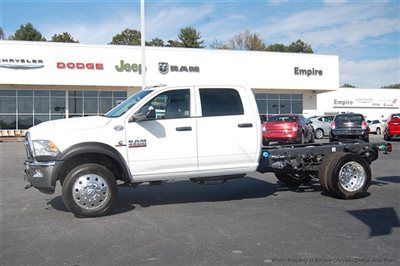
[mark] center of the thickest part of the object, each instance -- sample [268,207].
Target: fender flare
[92,147]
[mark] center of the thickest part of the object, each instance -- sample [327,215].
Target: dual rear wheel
[342,175]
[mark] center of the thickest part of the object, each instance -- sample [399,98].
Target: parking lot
[254,220]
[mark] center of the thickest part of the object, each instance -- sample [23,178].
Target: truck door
[166,146]
[228,137]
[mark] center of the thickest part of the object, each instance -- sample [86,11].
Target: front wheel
[89,190]
[378,131]
[293,180]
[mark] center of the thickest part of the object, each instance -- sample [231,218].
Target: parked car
[392,128]
[287,128]
[349,126]
[375,126]
[321,125]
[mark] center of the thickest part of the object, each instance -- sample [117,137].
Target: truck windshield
[121,108]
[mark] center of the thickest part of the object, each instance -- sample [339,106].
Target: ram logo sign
[165,68]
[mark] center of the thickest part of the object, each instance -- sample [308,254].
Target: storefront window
[284,103]
[8,122]
[21,109]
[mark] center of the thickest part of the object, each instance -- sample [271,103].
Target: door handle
[245,125]
[183,129]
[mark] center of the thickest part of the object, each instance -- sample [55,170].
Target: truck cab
[198,133]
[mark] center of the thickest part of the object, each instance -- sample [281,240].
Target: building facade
[41,81]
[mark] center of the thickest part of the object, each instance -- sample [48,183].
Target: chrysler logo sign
[164,68]
[21,63]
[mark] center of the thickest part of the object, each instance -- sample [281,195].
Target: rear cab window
[220,102]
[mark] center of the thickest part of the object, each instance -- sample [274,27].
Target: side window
[220,102]
[170,104]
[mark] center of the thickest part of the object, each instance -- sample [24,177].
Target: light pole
[143,43]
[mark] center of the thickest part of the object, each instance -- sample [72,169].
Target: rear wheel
[293,180]
[386,137]
[319,133]
[302,138]
[89,190]
[345,175]
[312,139]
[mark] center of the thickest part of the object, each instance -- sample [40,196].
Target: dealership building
[41,81]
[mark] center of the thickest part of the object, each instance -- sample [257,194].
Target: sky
[365,34]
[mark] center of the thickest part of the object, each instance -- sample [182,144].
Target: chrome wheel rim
[90,191]
[319,134]
[352,176]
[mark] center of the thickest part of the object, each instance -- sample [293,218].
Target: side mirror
[309,122]
[144,115]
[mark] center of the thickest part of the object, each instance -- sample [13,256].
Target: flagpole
[143,43]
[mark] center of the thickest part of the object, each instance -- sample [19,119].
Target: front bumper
[39,175]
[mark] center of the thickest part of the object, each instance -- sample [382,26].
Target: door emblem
[137,143]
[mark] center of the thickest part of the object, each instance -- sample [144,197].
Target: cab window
[170,104]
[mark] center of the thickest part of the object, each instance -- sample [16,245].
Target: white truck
[206,134]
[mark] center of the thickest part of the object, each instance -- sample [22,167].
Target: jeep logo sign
[136,68]
[164,68]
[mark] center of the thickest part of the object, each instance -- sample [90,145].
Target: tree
[27,33]
[63,37]
[247,41]
[174,43]
[392,86]
[155,42]
[348,85]
[190,37]
[300,47]
[2,36]
[127,37]
[218,44]
[277,47]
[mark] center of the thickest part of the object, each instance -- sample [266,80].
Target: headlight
[44,148]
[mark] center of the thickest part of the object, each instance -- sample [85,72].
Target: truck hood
[67,125]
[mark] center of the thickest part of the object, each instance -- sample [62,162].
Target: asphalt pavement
[251,221]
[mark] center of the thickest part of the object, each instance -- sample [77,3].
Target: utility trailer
[342,168]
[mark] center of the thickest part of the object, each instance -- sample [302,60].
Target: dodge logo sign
[163,67]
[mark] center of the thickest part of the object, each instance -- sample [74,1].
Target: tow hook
[28,186]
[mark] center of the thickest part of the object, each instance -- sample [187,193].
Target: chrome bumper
[39,175]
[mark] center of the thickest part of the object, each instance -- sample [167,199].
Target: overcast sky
[365,34]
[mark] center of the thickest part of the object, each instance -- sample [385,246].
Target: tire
[387,137]
[312,139]
[319,133]
[265,143]
[378,131]
[89,190]
[302,138]
[293,180]
[337,171]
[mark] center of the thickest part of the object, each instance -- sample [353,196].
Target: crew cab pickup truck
[206,134]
